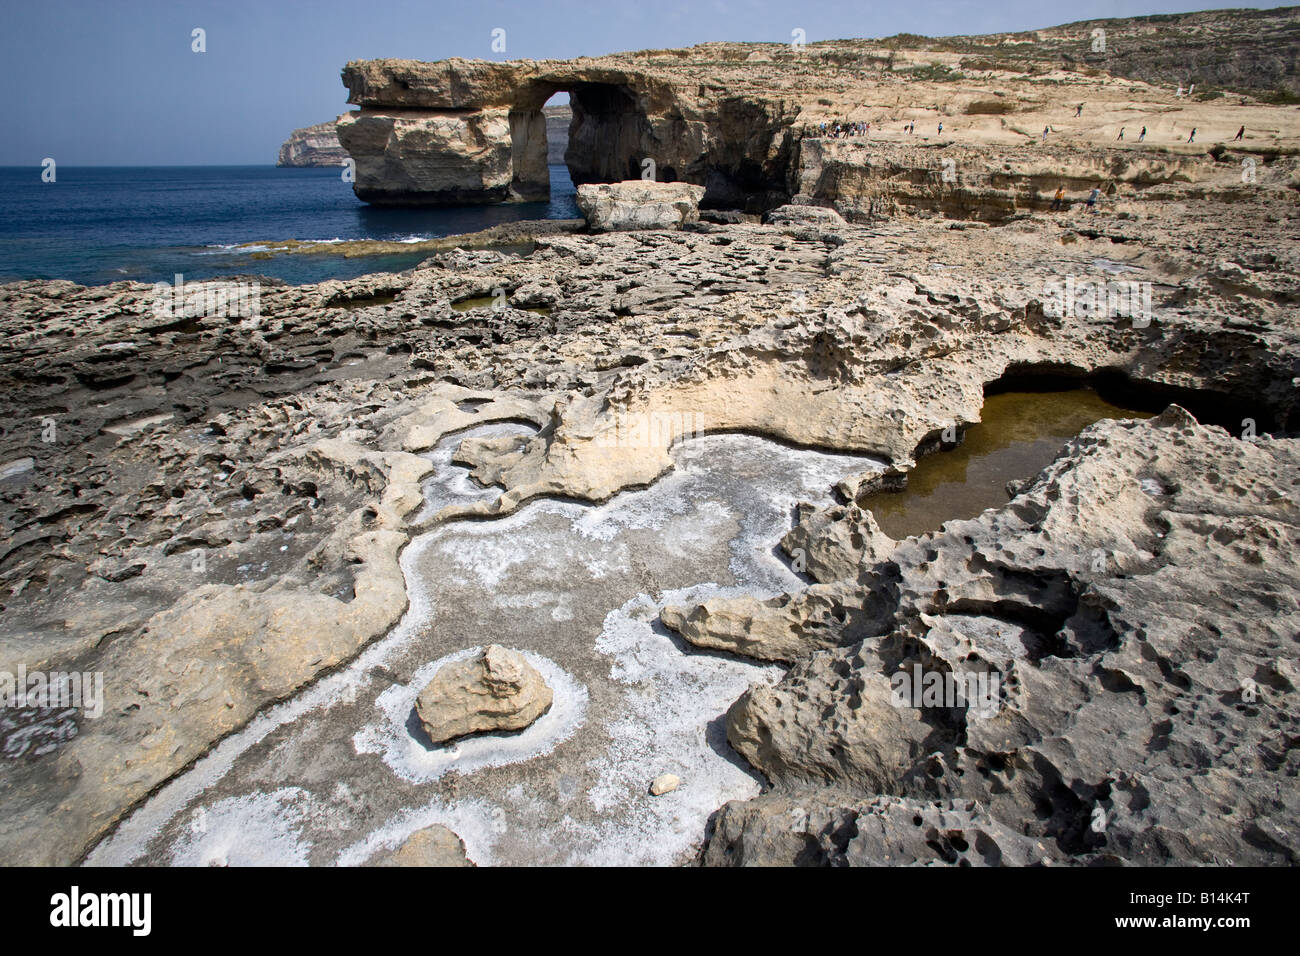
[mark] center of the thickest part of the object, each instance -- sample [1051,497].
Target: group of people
[1094,197]
[1191,138]
[838,130]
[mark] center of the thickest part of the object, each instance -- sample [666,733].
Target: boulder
[433,846]
[804,216]
[492,691]
[639,204]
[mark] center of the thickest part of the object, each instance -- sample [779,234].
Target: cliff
[313,146]
[733,117]
[1251,51]
[557,132]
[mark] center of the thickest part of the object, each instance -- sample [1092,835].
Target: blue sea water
[101,224]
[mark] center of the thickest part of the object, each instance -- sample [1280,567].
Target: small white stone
[664,783]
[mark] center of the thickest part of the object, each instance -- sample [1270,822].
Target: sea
[100,224]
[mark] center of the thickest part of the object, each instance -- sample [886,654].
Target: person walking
[1240,133]
[1092,199]
[1078,111]
[1060,198]
[1192,138]
[1121,134]
[940,127]
[1142,135]
[1045,129]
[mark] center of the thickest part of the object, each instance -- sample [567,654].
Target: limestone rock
[837,543]
[664,783]
[639,204]
[750,134]
[1111,672]
[558,119]
[292,462]
[497,690]
[804,215]
[818,828]
[781,629]
[433,159]
[867,743]
[313,146]
[433,846]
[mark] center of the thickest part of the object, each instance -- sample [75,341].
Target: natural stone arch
[607,135]
[460,131]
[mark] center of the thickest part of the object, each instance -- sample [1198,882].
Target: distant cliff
[1255,51]
[557,132]
[313,146]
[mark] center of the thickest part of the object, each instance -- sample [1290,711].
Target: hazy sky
[114,82]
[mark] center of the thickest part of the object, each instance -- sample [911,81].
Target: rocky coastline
[224,510]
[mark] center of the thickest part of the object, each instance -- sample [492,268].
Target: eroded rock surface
[209,509]
[637,204]
[1138,603]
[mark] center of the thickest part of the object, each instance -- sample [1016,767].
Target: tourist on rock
[941,127]
[1059,199]
[1240,133]
[1078,110]
[1121,134]
[1092,199]
[1192,138]
[1045,131]
[1142,135]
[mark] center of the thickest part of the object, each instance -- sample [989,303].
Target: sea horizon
[99,224]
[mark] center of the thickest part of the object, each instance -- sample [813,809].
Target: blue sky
[114,82]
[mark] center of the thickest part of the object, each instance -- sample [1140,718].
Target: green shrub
[934,73]
[1279,97]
